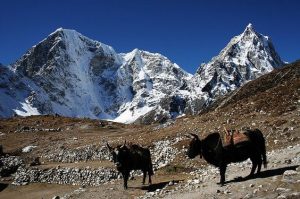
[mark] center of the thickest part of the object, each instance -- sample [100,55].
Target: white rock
[248,196]
[281,197]
[280,189]
[255,191]
[290,176]
[28,149]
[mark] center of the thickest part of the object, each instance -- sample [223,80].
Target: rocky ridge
[67,69]
[246,57]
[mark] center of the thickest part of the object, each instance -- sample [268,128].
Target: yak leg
[222,169]
[125,178]
[259,165]
[144,176]
[149,174]
[254,165]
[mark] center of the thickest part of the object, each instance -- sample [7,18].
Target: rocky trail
[171,180]
[280,180]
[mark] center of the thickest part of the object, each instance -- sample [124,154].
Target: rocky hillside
[71,75]
[45,152]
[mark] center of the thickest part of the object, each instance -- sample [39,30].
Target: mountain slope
[78,77]
[245,58]
[275,93]
[155,82]
[66,66]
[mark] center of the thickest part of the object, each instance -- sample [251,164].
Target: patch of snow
[27,109]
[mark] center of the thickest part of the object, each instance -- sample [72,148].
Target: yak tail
[263,148]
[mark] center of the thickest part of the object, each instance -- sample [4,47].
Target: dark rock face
[42,55]
[100,63]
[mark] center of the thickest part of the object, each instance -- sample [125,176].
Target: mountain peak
[249,30]
[250,26]
[246,57]
[64,30]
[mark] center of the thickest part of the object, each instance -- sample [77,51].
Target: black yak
[213,151]
[133,157]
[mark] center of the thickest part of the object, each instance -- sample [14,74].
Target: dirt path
[270,184]
[35,191]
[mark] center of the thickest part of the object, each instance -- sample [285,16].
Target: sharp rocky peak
[249,29]
[246,57]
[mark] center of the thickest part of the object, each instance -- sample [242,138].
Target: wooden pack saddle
[234,137]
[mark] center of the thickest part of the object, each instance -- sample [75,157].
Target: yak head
[194,146]
[119,154]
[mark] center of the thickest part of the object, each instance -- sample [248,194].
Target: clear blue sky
[188,32]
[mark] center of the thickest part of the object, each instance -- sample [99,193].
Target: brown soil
[270,103]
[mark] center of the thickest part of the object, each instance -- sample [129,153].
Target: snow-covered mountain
[72,75]
[245,58]
[153,87]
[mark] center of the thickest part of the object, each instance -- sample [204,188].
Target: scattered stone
[84,176]
[281,197]
[171,183]
[255,191]
[289,161]
[289,176]
[28,149]
[35,162]
[280,189]
[248,196]
[295,194]
[251,185]
[9,165]
[90,152]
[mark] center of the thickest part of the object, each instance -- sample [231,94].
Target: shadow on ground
[3,186]
[160,185]
[265,174]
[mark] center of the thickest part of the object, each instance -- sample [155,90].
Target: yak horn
[124,144]
[194,135]
[109,147]
[226,132]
